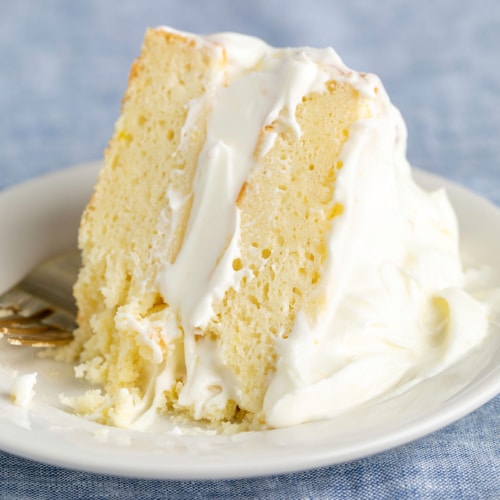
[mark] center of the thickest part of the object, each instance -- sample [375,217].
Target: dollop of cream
[22,389]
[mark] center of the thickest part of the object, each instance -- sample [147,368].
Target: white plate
[40,218]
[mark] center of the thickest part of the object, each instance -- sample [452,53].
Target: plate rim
[455,409]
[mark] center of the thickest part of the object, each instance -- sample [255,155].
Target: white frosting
[22,389]
[243,101]
[396,311]
[393,284]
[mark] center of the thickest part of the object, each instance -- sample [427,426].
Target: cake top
[307,65]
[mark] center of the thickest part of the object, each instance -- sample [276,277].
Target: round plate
[40,218]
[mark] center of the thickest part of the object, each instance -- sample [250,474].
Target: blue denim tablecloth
[63,69]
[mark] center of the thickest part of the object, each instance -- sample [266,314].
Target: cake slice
[256,252]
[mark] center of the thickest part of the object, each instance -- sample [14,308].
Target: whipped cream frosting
[22,389]
[396,309]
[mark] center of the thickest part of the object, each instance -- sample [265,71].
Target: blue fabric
[63,69]
[459,462]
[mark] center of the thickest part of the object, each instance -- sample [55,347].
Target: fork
[40,310]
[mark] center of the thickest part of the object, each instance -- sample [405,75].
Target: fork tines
[27,320]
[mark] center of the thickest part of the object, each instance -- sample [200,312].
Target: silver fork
[40,310]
